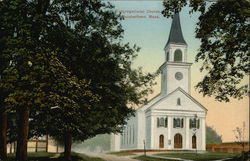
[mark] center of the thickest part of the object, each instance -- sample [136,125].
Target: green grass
[98,142]
[33,156]
[121,153]
[199,156]
[44,156]
[147,158]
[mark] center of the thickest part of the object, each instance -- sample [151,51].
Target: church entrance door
[178,141]
[194,142]
[161,141]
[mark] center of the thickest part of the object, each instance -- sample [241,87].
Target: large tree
[91,48]
[68,54]
[40,83]
[3,121]
[223,29]
[4,62]
[34,77]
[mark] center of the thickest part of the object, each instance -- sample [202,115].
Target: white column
[152,132]
[171,57]
[203,134]
[169,132]
[185,54]
[187,132]
[115,142]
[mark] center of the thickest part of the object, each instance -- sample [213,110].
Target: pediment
[185,103]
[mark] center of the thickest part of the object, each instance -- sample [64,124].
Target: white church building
[173,120]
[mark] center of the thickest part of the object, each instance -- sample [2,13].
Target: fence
[34,145]
[228,147]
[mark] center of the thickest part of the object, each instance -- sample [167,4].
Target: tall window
[162,122]
[178,101]
[194,142]
[130,136]
[133,134]
[127,135]
[122,135]
[178,55]
[178,122]
[161,141]
[166,122]
[194,123]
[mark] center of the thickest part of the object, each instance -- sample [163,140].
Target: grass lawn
[200,156]
[44,156]
[121,153]
[147,158]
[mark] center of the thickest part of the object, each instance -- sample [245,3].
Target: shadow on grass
[43,156]
[243,157]
[200,157]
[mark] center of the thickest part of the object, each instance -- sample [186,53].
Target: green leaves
[174,6]
[69,55]
[212,137]
[223,29]
[224,48]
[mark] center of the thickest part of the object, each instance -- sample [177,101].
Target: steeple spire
[175,36]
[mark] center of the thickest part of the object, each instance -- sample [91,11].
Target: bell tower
[175,72]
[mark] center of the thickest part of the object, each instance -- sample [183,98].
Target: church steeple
[176,47]
[175,36]
[176,70]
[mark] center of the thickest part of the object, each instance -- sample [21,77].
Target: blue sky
[151,34]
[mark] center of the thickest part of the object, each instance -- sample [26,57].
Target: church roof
[159,97]
[175,36]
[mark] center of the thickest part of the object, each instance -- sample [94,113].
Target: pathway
[111,157]
[151,154]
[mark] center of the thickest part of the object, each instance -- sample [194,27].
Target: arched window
[161,141]
[178,101]
[178,55]
[194,142]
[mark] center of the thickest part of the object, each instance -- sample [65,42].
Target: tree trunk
[67,147]
[3,135]
[23,130]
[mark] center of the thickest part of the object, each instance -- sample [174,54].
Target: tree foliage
[212,137]
[91,49]
[223,29]
[68,55]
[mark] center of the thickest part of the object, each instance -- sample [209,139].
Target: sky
[147,28]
